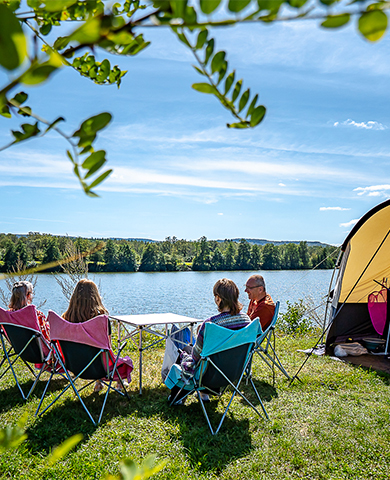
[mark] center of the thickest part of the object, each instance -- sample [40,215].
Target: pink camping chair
[84,349]
[20,330]
[377,308]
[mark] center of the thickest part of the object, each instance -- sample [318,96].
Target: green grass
[333,425]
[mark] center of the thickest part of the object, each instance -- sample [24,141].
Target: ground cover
[333,425]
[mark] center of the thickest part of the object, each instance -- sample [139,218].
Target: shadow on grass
[205,451]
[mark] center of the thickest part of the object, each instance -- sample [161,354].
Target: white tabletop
[154,319]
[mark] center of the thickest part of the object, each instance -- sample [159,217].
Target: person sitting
[22,295]
[261,305]
[230,316]
[86,303]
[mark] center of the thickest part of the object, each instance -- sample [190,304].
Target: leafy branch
[215,68]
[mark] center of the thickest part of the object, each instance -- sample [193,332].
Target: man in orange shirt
[261,305]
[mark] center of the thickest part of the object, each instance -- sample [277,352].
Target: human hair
[259,280]
[85,302]
[20,291]
[228,292]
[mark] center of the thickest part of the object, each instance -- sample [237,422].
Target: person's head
[22,295]
[255,288]
[226,296]
[85,302]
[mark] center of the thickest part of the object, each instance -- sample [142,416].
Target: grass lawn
[333,425]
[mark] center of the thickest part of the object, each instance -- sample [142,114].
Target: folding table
[133,325]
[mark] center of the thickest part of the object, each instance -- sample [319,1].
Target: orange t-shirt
[263,310]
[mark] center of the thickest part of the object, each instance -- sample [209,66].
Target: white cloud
[281,184]
[339,209]
[220,213]
[349,224]
[374,191]
[370,125]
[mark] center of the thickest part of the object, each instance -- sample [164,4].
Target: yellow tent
[365,261]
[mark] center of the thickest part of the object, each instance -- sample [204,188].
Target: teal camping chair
[265,345]
[224,359]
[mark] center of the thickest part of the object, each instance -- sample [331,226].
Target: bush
[294,321]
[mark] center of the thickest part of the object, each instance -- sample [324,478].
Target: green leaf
[11,437]
[100,179]
[94,158]
[70,156]
[25,111]
[238,5]
[53,124]
[329,2]
[203,88]
[13,46]
[243,100]
[58,5]
[336,21]
[252,106]
[236,91]
[39,72]
[222,71]
[270,5]
[202,37]
[257,115]
[28,131]
[372,25]
[88,33]
[20,98]
[208,6]
[179,7]
[4,111]
[65,447]
[297,3]
[239,125]
[199,70]
[217,61]
[229,82]
[209,50]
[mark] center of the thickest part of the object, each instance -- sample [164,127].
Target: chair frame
[197,386]
[268,352]
[10,355]
[58,347]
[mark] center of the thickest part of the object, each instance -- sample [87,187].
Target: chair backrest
[228,350]
[270,327]
[22,328]
[82,344]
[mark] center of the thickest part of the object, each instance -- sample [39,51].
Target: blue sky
[315,165]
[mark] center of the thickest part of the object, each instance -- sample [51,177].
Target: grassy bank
[333,425]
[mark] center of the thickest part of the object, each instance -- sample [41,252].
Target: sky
[309,171]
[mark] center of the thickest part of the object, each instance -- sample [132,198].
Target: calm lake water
[186,293]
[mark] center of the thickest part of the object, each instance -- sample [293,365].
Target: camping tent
[365,260]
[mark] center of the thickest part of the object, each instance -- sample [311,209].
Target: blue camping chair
[224,360]
[265,345]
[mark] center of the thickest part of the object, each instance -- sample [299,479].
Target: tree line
[170,255]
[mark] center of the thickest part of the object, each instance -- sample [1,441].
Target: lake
[186,293]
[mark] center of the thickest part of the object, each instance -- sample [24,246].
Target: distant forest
[169,255]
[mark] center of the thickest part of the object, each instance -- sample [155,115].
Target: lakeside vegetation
[171,254]
[332,425]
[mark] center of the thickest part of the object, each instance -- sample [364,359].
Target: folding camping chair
[265,345]
[84,349]
[20,330]
[225,357]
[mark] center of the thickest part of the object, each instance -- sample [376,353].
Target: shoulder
[268,301]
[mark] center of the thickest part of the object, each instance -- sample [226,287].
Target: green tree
[230,256]
[217,260]
[21,252]
[202,260]
[270,257]
[255,257]
[111,255]
[10,257]
[95,26]
[304,257]
[290,257]
[150,259]
[51,252]
[243,259]
[126,258]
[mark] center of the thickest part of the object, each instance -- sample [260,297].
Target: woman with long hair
[22,295]
[226,295]
[86,303]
